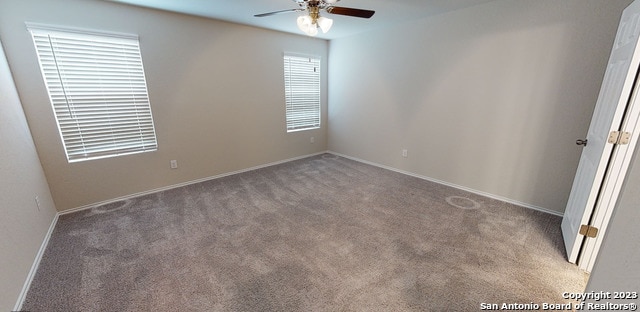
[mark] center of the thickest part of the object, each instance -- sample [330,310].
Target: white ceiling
[388,12]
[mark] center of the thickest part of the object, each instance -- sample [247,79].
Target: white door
[609,111]
[613,180]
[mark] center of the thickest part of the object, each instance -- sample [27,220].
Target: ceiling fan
[311,22]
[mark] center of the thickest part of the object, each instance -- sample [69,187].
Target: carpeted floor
[323,233]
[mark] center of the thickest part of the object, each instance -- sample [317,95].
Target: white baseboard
[36,264]
[130,196]
[460,187]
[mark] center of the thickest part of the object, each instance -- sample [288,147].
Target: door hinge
[619,137]
[588,230]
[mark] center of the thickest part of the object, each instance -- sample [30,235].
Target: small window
[98,91]
[302,92]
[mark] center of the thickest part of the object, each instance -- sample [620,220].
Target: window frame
[97,89]
[308,94]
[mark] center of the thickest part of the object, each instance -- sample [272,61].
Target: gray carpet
[323,233]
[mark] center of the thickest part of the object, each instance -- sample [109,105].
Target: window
[97,88]
[302,92]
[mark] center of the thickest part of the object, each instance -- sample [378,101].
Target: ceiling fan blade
[278,12]
[350,12]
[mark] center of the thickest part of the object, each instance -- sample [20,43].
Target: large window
[302,92]
[98,91]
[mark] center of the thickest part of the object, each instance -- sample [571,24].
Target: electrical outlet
[174,164]
[38,202]
[404,153]
[312,140]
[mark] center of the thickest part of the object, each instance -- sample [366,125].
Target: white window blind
[98,91]
[302,92]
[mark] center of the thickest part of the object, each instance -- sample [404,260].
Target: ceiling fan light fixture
[304,22]
[312,31]
[325,23]
[310,22]
[307,25]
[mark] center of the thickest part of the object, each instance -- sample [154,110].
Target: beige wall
[490,98]
[23,226]
[216,92]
